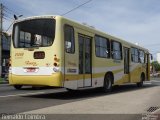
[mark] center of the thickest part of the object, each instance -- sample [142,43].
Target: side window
[69,39]
[134,55]
[102,47]
[116,50]
[141,56]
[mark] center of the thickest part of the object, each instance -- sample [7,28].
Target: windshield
[34,33]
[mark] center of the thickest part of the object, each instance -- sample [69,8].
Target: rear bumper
[48,80]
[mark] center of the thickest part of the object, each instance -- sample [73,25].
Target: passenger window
[69,39]
[134,55]
[116,50]
[141,56]
[102,47]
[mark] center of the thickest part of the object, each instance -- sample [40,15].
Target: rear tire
[107,87]
[140,84]
[18,87]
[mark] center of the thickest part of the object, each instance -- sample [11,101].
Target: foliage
[156,65]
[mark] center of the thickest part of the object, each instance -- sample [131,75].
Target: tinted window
[69,39]
[141,56]
[135,55]
[116,50]
[34,33]
[102,47]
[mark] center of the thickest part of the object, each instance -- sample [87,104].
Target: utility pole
[1,21]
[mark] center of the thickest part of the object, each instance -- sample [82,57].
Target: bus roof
[88,28]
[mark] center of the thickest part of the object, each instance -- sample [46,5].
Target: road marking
[147,83]
[24,94]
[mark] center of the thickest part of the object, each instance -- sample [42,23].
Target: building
[158,57]
[6,42]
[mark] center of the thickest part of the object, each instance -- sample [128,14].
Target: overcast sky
[136,21]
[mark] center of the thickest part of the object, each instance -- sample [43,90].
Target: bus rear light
[55,59]
[55,64]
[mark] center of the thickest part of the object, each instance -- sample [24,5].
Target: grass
[1,80]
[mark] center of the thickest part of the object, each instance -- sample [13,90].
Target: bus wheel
[140,84]
[18,87]
[107,87]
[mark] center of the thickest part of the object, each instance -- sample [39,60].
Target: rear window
[34,33]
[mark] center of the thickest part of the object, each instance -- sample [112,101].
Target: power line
[11,11]
[8,16]
[75,8]
[7,19]
[9,26]
[6,11]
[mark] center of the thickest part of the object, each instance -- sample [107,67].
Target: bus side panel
[70,60]
[54,80]
[135,72]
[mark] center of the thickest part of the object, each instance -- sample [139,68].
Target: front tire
[18,87]
[140,84]
[107,87]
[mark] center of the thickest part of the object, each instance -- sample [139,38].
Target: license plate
[30,70]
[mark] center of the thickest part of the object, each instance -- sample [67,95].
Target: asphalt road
[46,99]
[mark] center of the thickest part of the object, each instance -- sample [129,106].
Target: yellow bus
[55,51]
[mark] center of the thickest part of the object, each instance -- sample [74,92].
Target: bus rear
[35,53]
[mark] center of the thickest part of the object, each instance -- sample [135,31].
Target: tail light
[56,64]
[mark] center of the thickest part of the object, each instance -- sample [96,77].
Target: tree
[156,65]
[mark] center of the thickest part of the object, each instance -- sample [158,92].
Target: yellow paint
[52,80]
[24,58]
[87,76]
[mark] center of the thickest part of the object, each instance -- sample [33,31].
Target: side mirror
[151,57]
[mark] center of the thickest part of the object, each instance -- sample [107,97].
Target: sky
[136,21]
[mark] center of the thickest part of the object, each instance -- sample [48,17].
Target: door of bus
[85,64]
[126,64]
[147,67]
